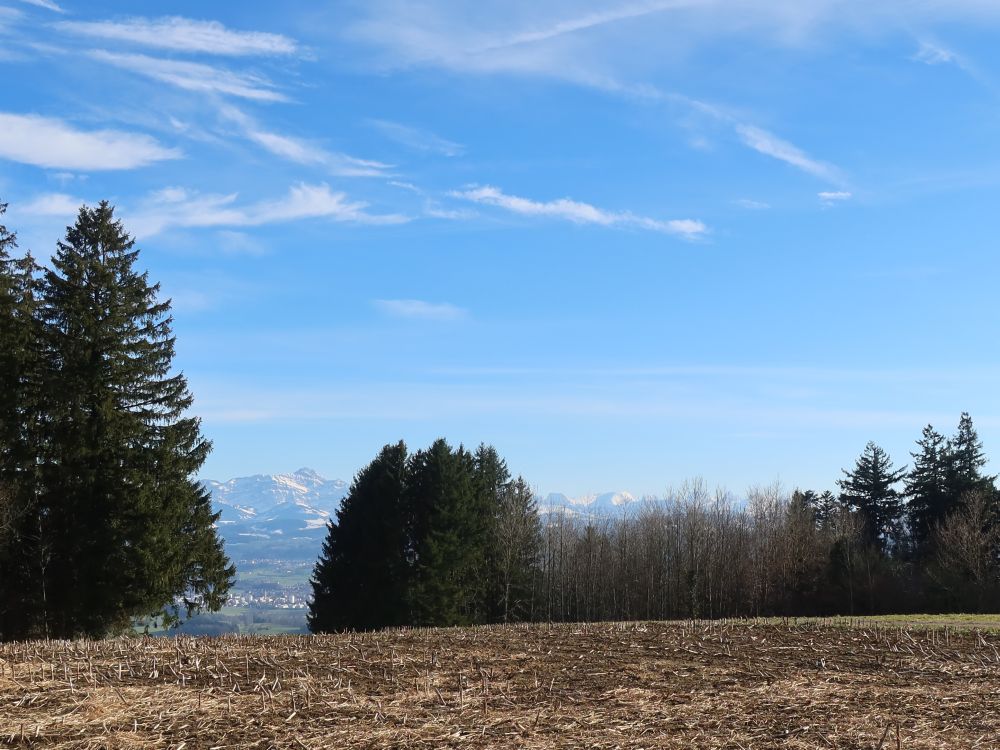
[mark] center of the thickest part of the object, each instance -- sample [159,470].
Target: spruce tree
[131,532]
[491,480]
[869,489]
[360,580]
[927,486]
[823,507]
[442,512]
[966,460]
[19,372]
[827,508]
[9,349]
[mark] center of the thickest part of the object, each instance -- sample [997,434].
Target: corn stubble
[609,685]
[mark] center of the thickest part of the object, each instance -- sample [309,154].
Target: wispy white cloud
[8,17]
[933,54]
[434,210]
[55,144]
[52,204]
[64,178]
[302,151]
[193,76]
[771,145]
[832,197]
[233,242]
[417,139]
[184,35]
[584,22]
[419,309]
[579,213]
[409,186]
[582,40]
[178,208]
[587,47]
[47,4]
[752,205]
[432,207]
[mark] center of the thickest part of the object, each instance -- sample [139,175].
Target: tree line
[101,518]
[891,540]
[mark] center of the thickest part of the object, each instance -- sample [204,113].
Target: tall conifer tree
[870,489]
[927,486]
[444,525]
[491,479]
[360,580]
[966,460]
[131,531]
[20,553]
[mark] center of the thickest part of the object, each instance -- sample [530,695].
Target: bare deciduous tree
[965,559]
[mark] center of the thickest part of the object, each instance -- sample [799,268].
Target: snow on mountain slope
[266,498]
[276,516]
[604,504]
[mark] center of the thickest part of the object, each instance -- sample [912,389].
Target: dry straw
[612,685]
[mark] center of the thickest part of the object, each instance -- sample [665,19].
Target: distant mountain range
[276,516]
[283,516]
[605,504]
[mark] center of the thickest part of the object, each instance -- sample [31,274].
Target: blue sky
[627,243]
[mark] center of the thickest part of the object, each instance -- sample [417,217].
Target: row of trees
[704,554]
[892,540]
[442,536]
[101,518]
[902,509]
[445,537]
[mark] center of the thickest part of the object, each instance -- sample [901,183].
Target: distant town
[264,583]
[267,600]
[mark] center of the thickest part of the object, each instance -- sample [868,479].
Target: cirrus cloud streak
[184,35]
[193,76]
[579,213]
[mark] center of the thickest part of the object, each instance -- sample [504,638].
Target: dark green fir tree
[966,461]
[361,579]
[130,532]
[20,551]
[927,487]
[826,508]
[444,528]
[870,489]
[490,479]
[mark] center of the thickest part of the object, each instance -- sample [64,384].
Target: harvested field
[641,685]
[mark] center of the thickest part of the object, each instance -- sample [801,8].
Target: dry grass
[635,685]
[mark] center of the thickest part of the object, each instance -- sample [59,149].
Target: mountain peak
[305,471]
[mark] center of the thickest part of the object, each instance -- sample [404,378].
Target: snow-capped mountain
[277,516]
[604,504]
[265,498]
